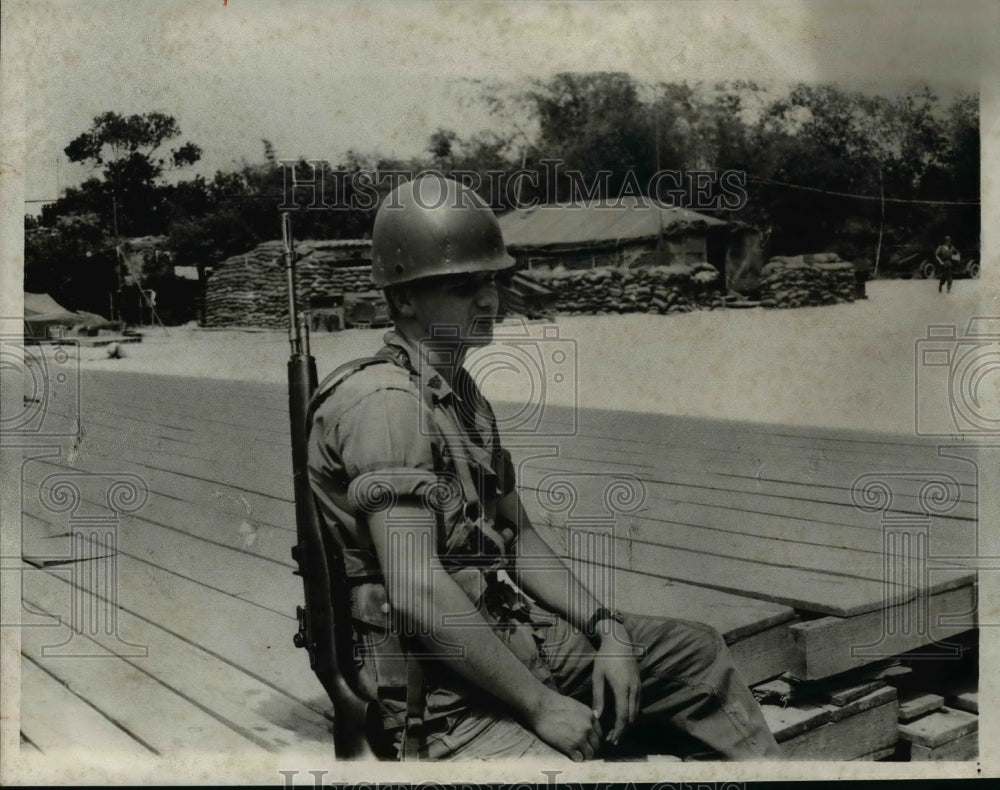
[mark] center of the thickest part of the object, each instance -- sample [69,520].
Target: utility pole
[118,258]
[881,225]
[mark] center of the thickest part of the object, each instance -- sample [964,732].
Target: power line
[864,197]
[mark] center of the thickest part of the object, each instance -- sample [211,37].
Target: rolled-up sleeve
[382,449]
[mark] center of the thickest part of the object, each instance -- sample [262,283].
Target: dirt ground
[852,366]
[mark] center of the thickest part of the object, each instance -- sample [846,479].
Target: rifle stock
[324,629]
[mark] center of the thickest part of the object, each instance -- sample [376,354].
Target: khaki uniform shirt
[391,432]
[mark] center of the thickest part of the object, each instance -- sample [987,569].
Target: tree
[441,144]
[850,148]
[73,260]
[127,149]
[593,123]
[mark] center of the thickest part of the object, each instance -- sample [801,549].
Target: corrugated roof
[598,224]
[337,244]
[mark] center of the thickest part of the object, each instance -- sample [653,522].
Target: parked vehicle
[928,268]
[917,261]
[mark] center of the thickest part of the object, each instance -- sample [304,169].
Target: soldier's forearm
[430,604]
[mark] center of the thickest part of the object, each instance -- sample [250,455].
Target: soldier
[947,258]
[406,463]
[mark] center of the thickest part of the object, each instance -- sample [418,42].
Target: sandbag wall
[806,280]
[250,289]
[645,289]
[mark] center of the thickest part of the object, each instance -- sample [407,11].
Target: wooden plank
[49,542]
[226,402]
[126,695]
[641,426]
[834,504]
[666,502]
[757,550]
[114,436]
[869,448]
[960,688]
[801,589]
[225,468]
[29,748]
[597,466]
[762,655]
[962,748]
[732,616]
[808,455]
[227,391]
[278,512]
[787,722]
[965,700]
[224,569]
[809,463]
[878,754]
[266,456]
[254,640]
[269,718]
[222,523]
[177,407]
[846,694]
[711,521]
[830,645]
[848,739]
[146,442]
[916,705]
[939,728]
[879,697]
[756,631]
[54,719]
[774,469]
[844,540]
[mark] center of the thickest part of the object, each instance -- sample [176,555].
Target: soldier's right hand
[566,725]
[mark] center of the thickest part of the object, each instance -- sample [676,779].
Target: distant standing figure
[947,256]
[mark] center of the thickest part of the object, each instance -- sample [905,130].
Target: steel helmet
[433,226]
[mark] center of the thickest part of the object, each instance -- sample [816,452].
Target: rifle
[324,624]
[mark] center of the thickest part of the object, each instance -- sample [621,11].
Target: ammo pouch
[378,652]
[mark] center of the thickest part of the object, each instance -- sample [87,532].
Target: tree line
[822,168]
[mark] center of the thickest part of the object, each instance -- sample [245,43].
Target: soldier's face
[462,307]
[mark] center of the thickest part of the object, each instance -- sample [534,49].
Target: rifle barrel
[294,337]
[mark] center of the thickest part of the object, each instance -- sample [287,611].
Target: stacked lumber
[930,730]
[807,280]
[854,717]
[647,289]
[939,707]
[251,290]
[921,706]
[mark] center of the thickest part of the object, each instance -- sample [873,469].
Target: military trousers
[693,704]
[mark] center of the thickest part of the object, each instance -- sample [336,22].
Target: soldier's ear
[401,301]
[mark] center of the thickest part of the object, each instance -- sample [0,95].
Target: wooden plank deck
[748,528]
